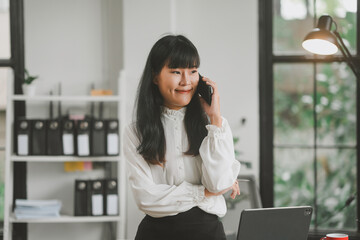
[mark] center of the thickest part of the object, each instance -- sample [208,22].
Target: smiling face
[177,86]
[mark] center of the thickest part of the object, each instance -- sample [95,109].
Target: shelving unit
[11,158]
[67,219]
[15,158]
[66,98]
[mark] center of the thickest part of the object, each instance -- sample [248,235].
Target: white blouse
[179,186]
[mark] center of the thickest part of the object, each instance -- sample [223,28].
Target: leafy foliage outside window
[294,136]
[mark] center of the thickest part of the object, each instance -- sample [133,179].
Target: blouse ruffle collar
[174,114]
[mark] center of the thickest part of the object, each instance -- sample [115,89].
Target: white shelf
[66,98]
[15,158]
[118,171]
[68,219]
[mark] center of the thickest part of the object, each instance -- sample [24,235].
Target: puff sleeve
[219,168]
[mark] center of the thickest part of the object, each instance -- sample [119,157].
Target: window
[12,66]
[4,29]
[2,162]
[5,76]
[4,54]
[308,114]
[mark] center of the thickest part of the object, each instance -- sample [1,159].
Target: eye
[194,71]
[176,72]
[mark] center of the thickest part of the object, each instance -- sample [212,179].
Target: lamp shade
[321,40]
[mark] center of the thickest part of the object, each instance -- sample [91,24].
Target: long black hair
[176,51]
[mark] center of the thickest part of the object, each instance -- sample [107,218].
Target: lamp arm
[350,62]
[348,57]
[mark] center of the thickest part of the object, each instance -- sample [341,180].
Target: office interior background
[293,115]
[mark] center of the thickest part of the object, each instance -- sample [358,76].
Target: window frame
[267,60]
[17,63]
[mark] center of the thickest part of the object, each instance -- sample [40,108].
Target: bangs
[183,55]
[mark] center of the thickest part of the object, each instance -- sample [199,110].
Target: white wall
[76,43]
[226,35]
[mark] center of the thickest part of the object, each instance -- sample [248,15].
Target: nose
[185,79]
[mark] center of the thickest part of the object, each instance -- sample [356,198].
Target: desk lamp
[321,40]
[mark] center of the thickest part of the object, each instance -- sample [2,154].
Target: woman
[179,151]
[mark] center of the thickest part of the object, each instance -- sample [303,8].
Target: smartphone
[205,91]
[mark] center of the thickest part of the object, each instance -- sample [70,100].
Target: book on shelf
[33,209]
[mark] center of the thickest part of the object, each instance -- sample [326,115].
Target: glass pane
[293,104]
[5,76]
[336,184]
[293,177]
[2,162]
[292,20]
[344,14]
[2,131]
[4,29]
[2,183]
[336,104]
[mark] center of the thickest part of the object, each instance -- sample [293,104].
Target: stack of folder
[96,197]
[31,209]
[56,137]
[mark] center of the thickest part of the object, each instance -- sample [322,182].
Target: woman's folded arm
[156,200]
[219,166]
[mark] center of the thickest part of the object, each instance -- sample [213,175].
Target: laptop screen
[288,223]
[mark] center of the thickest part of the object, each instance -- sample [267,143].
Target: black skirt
[192,224]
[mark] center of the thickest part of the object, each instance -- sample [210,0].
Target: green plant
[28,79]
[247,164]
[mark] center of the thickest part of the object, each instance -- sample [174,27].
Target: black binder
[81,205]
[98,143]
[83,137]
[23,136]
[68,137]
[53,137]
[112,137]
[96,198]
[111,197]
[38,137]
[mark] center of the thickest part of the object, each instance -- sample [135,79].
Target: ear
[156,80]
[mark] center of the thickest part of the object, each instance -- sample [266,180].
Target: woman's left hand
[213,110]
[235,190]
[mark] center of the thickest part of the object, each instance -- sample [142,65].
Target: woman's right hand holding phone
[213,110]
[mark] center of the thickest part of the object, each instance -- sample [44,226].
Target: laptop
[287,223]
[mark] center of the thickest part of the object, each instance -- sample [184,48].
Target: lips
[183,91]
